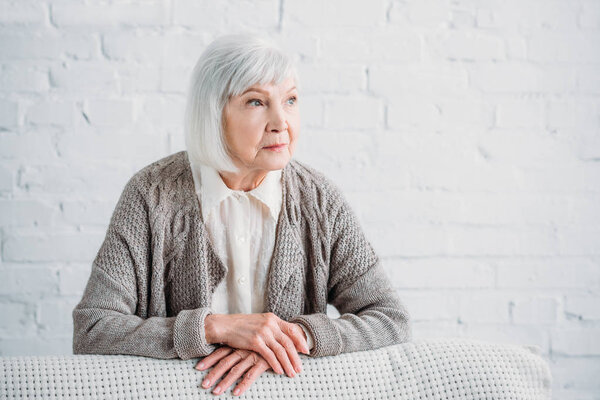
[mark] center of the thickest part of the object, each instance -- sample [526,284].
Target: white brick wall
[466,136]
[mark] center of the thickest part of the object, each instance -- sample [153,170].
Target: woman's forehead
[285,86]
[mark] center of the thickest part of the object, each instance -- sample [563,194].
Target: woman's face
[262,116]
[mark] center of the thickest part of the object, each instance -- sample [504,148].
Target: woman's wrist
[211,331]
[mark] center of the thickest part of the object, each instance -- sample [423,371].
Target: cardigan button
[242,280]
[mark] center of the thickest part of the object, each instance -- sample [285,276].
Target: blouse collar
[212,190]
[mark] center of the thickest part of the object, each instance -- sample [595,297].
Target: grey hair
[227,67]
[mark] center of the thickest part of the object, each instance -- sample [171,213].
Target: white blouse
[241,227]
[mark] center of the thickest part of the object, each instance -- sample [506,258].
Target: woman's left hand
[237,362]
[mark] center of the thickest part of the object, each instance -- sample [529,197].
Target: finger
[282,354]
[266,352]
[234,373]
[252,374]
[292,353]
[213,357]
[296,333]
[223,366]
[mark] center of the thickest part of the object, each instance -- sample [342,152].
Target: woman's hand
[237,362]
[274,339]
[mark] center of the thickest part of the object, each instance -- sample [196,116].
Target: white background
[465,134]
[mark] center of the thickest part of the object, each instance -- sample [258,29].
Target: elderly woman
[232,250]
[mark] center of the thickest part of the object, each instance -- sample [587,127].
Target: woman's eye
[254,101]
[294,99]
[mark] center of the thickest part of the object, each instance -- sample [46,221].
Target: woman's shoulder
[167,175]
[314,186]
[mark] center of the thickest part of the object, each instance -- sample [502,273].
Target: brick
[84,77]
[16,317]
[26,212]
[73,279]
[439,273]
[435,329]
[567,273]
[574,377]
[579,114]
[17,280]
[579,240]
[136,78]
[109,112]
[133,47]
[516,113]
[312,113]
[500,241]
[395,45]
[323,78]
[516,77]
[431,306]
[352,13]
[9,113]
[24,79]
[559,178]
[530,335]
[6,176]
[589,17]
[512,209]
[163,111]
[52,46]
[413,111]
[52,247]
[51,112]
[174,79]
[353,113]
[584,307]
[55,316]
[488,307]
[470,45]
[90,212]
[27,145]
[93,16]
[576,342]
[435,80]
[563,47]
[528,310]
[22,13]
[22,345]
[427,14]
[93,180]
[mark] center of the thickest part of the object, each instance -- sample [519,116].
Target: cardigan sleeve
[371,313]
[105,320]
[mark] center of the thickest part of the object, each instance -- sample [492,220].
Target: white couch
[444,368]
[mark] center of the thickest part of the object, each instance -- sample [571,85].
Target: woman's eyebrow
[262,91]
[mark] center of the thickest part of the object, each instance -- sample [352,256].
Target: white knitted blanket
[444,368]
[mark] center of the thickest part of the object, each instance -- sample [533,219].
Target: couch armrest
[441,368]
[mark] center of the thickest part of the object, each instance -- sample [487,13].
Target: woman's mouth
[277,147]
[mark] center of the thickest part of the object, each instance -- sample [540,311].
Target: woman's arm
[371,314]
[104,321]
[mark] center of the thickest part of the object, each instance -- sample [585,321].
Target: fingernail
[298,369]
[206,383]
[236,391]
[217,390]
[201,365]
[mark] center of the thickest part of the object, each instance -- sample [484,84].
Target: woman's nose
[277,120]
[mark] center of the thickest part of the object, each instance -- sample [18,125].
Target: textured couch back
[422,369]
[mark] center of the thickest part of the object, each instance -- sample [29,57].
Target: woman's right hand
[274,339]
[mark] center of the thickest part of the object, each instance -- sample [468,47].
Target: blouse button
[242,280]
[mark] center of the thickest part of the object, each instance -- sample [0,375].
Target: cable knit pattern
[152,281]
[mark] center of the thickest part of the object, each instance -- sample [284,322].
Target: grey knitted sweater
[152,280]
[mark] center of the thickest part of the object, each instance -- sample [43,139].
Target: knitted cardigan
[152,280]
